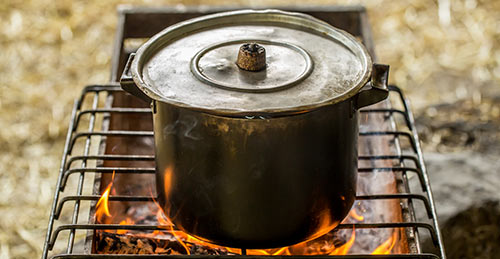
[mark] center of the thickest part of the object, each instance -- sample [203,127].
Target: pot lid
[251,63]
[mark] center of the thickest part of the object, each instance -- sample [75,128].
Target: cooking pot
[255,123]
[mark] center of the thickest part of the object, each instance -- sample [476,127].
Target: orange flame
[126,221]
[386,247]
[188,251]
[306,248]
[354,214]
[326,223]
[321,244]
[165,222]
[344,249]
[313,247]
[102,208]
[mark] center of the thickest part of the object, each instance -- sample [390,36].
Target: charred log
[114,243]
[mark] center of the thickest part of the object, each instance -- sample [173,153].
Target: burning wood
[165,243]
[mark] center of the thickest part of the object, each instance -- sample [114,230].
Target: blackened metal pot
[251,155]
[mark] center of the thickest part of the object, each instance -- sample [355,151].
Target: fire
[165,222]
[343,250]
[306,248]
[325,224]
[102,208]
[353,214]
[126,221]
[321,245]
[386,247]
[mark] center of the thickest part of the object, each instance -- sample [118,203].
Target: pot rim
[155,43]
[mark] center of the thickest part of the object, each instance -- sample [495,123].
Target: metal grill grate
[83,154]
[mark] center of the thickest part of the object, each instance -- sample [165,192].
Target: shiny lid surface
[309,64]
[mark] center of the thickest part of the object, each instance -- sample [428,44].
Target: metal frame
[69,159]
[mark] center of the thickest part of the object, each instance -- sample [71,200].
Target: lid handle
[251,57]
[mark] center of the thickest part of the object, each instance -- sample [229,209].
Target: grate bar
[410,196]
[124,256]
[408,135]
[110,157]
[97,197]
[427,226]
[389,111]
[387,157]
[125,198]
[146,227]
[395,169]
[137,170]
[111,110]
[117,170]
[114,133]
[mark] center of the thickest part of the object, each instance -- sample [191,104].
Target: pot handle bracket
[376,90]
[127,82]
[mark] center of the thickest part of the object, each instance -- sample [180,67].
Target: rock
[466,192]
[460,180]
[474,232]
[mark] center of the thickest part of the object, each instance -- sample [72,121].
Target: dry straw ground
[445,53]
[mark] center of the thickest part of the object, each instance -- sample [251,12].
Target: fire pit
[110,137]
